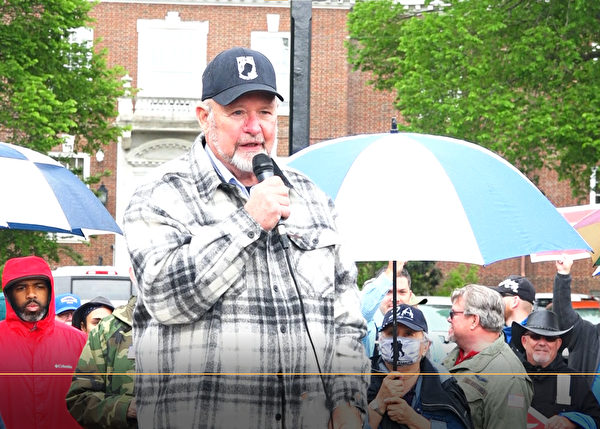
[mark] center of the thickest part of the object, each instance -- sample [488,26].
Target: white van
[88,282]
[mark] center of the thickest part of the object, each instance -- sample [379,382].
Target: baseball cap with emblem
[236,71]
[407,315]
[515,285]
[66,302]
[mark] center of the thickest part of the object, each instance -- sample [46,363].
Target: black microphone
[262,166]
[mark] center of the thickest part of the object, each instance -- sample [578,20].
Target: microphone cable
[285,243]
[262,166]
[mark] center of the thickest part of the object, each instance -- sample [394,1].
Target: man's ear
[202,111]
[476,320]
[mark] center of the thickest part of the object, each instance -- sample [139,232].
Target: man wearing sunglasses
[561,399]
[492,377]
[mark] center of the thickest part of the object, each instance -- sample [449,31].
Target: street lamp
[102,194]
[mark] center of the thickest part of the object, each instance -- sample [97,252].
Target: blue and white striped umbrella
[415,197]
[39,194]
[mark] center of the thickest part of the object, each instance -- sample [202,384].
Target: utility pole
[301,25]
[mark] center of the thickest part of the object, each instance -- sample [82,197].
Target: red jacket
[42,355]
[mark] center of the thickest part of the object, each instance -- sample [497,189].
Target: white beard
[240,162]
[541,358]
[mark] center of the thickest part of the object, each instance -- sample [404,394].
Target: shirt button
[277,416]
[283,329]
[275,288]
[251,234]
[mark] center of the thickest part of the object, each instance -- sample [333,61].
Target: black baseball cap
[408,316]
[82,312]
[235,72]
[517,286]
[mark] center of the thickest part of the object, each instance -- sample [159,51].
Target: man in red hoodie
[38,355]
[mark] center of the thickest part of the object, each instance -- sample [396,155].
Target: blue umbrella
[39,194]
[406,196]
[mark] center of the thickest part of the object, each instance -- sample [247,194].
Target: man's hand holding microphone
[269,200]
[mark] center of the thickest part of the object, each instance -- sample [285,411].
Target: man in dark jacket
[561,399]
[38,353]
[406,398]
[584,344]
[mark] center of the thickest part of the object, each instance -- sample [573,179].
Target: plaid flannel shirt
[218,330]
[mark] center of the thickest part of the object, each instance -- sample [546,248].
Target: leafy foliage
[368,270]
[24,243]
[425,277]
[457,278]
[520,77]
[49,87]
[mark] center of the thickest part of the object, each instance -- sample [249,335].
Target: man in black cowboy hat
[560,400]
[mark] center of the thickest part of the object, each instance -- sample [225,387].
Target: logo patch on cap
[510,284]
[68,299]
[246,68]
[407,312]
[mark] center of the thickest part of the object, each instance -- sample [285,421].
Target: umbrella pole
[395,310]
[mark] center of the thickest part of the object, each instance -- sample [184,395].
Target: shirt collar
[224,172]
[462,356]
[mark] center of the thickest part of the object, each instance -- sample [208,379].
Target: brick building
[165,45]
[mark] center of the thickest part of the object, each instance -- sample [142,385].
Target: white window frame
[267,42]
[178,62]
[82,36]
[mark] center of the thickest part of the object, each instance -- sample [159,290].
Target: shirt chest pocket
[475,393]
[314,261]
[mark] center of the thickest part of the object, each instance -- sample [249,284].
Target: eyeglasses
[454,313]
[537,337]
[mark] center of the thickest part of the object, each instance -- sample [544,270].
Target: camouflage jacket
[102,386]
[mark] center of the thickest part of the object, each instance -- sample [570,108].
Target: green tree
[520,77]
[457,278]
[51,86]
[368,270]
[425,276]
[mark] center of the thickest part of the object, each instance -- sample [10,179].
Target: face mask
[409,350]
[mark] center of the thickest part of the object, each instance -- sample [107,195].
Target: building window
[85,37]
[276,47]
[77,162]
[171,57]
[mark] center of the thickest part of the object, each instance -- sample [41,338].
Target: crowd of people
[248,313]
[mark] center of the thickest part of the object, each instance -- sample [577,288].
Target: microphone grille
[261,163]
